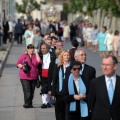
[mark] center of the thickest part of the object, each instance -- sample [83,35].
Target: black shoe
[27,106]
[43,106]
[49,105]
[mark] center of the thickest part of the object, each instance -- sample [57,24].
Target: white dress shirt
[46,61]
[108,82]
[77,85]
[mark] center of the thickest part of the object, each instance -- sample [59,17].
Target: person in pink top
[28,64]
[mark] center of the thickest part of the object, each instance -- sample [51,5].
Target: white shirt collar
[113,80]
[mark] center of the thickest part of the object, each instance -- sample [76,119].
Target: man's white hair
[77,52]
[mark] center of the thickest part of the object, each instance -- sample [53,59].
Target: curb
[5,56]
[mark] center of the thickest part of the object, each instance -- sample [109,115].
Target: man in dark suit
[104,94]
[73,28]
[88,72]
[19,31]
[5,30]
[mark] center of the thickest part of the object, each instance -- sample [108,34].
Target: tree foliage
[73,6]
[27,7]
[109,6]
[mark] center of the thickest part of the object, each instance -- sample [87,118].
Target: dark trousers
[19,38]
[76,116]
[60,108]
[5,36]
[44,85]
[10,36]
[28,90]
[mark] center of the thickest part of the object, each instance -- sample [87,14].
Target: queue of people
[67,79]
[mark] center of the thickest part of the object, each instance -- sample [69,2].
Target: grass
[3,49]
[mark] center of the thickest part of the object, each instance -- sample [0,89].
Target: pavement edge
[5,58]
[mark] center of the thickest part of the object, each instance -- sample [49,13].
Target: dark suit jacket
[50,75]
[88,74]
[6,27]
[55,86]
[99,101]
[52,58]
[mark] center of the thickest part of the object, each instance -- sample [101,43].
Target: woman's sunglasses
[76,69]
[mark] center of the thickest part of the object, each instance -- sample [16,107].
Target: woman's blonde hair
[60,62]
[58,51]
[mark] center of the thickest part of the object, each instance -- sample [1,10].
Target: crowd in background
[105,40]
[65,76]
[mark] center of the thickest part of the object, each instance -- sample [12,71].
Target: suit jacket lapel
[104,91]
[117,90]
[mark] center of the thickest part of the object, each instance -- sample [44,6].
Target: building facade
[7,9]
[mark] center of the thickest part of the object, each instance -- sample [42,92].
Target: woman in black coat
[74,94]
[61,71]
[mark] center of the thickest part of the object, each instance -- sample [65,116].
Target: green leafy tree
[66,8]
[91,5]
[27,6]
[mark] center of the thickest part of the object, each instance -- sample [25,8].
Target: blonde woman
[61,71]
[116,39]
[66,32]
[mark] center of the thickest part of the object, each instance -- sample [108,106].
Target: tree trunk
[102,19]
[114,23]
[98,18]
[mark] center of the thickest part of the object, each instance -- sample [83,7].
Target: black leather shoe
[43,106]
[49,105]
[27,106]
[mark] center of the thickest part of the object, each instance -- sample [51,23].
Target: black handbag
[52,101]
[38,83]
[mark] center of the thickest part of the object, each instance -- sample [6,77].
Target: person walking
[74,94]
[28,65]
[108,42]
[116,39]
[87,73]
[5,27]
[61,71]
[101,38]
[104,93]
[47,58]
[18,32]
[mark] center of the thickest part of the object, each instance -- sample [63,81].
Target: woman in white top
[84,33]
[66,32]
[108,42]
[88,34]
[28,35]
[94,38]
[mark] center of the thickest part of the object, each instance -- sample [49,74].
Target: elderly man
[104,94]
[88,72]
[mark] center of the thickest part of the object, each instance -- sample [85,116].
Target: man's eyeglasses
[76,69]
[82,54]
